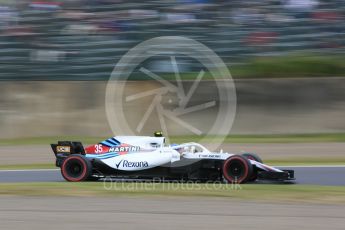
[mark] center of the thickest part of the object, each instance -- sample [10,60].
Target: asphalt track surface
[316,175]
[147,213]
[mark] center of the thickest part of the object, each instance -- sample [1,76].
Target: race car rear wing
[64,148]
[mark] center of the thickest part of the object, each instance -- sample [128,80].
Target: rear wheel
[76,168]
[237,169]
[253,156]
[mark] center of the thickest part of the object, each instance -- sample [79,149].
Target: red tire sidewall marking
[65,174]
[229,178]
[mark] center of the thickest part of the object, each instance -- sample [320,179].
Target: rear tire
[76,168]
[237,169]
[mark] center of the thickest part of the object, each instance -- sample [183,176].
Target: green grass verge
[286,66]
[263,192]
[305,161]
[274,138]
[294,65]
[48,140]
[28,166]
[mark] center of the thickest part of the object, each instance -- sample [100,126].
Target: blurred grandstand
[83,39]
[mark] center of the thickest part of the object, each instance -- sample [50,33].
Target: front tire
[76,168]
[252,156]
[237,169]
[255,157]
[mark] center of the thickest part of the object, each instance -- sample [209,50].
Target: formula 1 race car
[145,157]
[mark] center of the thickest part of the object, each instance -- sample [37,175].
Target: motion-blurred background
[286,56]
[83,39]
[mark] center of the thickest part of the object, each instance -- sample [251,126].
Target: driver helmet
[158,134]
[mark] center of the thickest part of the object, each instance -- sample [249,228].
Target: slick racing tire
[253,156]
[237,169]
[76,168]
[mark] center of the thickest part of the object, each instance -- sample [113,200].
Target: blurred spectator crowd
[83,39]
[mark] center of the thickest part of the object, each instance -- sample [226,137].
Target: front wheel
[237,169]
[76,168]
[255,157]
[252,156]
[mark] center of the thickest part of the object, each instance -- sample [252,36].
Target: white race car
[145,157]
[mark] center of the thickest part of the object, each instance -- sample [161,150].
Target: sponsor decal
[209,156]
[97,149]
[118,164]
[125,149]
[63,149]
[132,164]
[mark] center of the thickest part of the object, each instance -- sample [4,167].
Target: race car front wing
[279,176]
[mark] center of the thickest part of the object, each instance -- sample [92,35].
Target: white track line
[310,166]
[28,170]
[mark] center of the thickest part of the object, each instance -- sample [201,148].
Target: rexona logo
[132,164]
[124,149]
